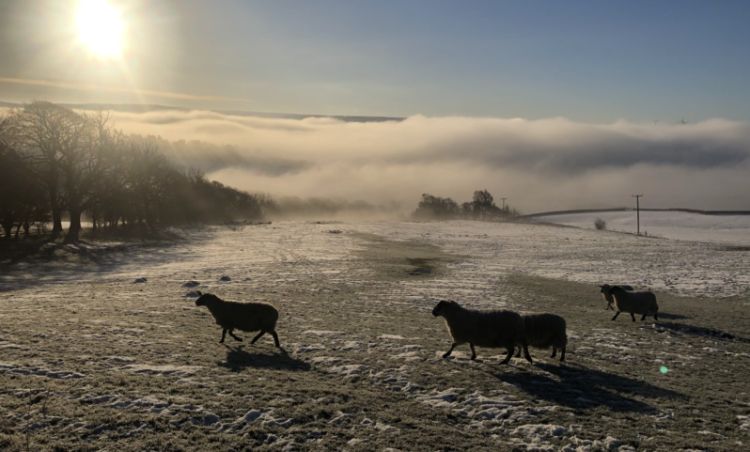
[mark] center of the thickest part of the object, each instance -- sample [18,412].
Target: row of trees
[55,161]
[481,207]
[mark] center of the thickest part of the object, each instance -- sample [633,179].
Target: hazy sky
[554,104]
[585,60]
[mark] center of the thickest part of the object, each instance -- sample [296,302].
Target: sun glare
[100,28]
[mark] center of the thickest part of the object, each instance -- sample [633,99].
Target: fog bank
[537,164]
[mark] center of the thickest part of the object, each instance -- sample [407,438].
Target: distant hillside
[626,209]
[143,108]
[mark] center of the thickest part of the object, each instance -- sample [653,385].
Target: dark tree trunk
[55,206]
[56,222]
[8,229]
[75,225]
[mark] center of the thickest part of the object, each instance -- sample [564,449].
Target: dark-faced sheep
[643,303]
[607,294]
[483,329]
[241,316]
[545,331]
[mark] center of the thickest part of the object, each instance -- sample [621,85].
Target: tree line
[57,162]
[481,207]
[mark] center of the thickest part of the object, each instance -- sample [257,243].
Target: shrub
[600,224]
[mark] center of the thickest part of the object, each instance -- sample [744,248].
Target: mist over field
[538,164]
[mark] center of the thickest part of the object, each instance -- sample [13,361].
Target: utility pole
[503,203]
[638,213]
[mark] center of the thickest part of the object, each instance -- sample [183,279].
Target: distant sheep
[545,331]
[484,329]
[643,303]
[242,316]
[606,293]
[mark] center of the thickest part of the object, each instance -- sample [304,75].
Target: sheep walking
[606,293]
[545,331]
[643,303]
[242,316]
[483,329]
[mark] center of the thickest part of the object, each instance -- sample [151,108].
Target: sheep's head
[206,298]
[606,289]
[442,307]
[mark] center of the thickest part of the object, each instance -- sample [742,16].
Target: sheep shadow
[582,388]
[666,315]
[694,330]
[238,359]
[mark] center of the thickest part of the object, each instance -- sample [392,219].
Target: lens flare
[663,370]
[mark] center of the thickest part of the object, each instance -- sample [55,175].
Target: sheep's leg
[518,351]
[276,339]
[526,353]
[236,338]
[510,354]
[643,317]
[257,337]
[616,314]
[473,353]
[632,316]
[448,353]
[554,351]
[223,335]
[656,314]
[562,354]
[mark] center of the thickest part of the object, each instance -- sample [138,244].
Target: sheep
[544,331]
[242,316]
[485,329]
[605,289]
[634,303]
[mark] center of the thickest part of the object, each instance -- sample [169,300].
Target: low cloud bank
[538,164]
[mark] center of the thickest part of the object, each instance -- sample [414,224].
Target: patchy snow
[725,229]
[162,370]
[147,332]
[20,369]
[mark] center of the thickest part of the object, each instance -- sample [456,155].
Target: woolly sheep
[608,296]
[544,331]
[242,316]
[643,303]
[484,329]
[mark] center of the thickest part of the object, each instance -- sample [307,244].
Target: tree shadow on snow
[582,388]
[239,359]
[694,330]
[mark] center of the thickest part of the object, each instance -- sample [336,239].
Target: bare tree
[49,135]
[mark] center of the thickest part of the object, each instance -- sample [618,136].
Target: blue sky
[586,60]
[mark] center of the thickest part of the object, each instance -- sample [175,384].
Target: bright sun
[100,28]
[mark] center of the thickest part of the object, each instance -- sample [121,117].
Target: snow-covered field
[725,229]
[113,353]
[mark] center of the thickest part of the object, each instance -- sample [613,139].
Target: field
[90,359]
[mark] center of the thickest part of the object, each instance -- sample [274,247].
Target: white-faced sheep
[484,329]
[606,293]
[545,331]
[242,316]
[643,303]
